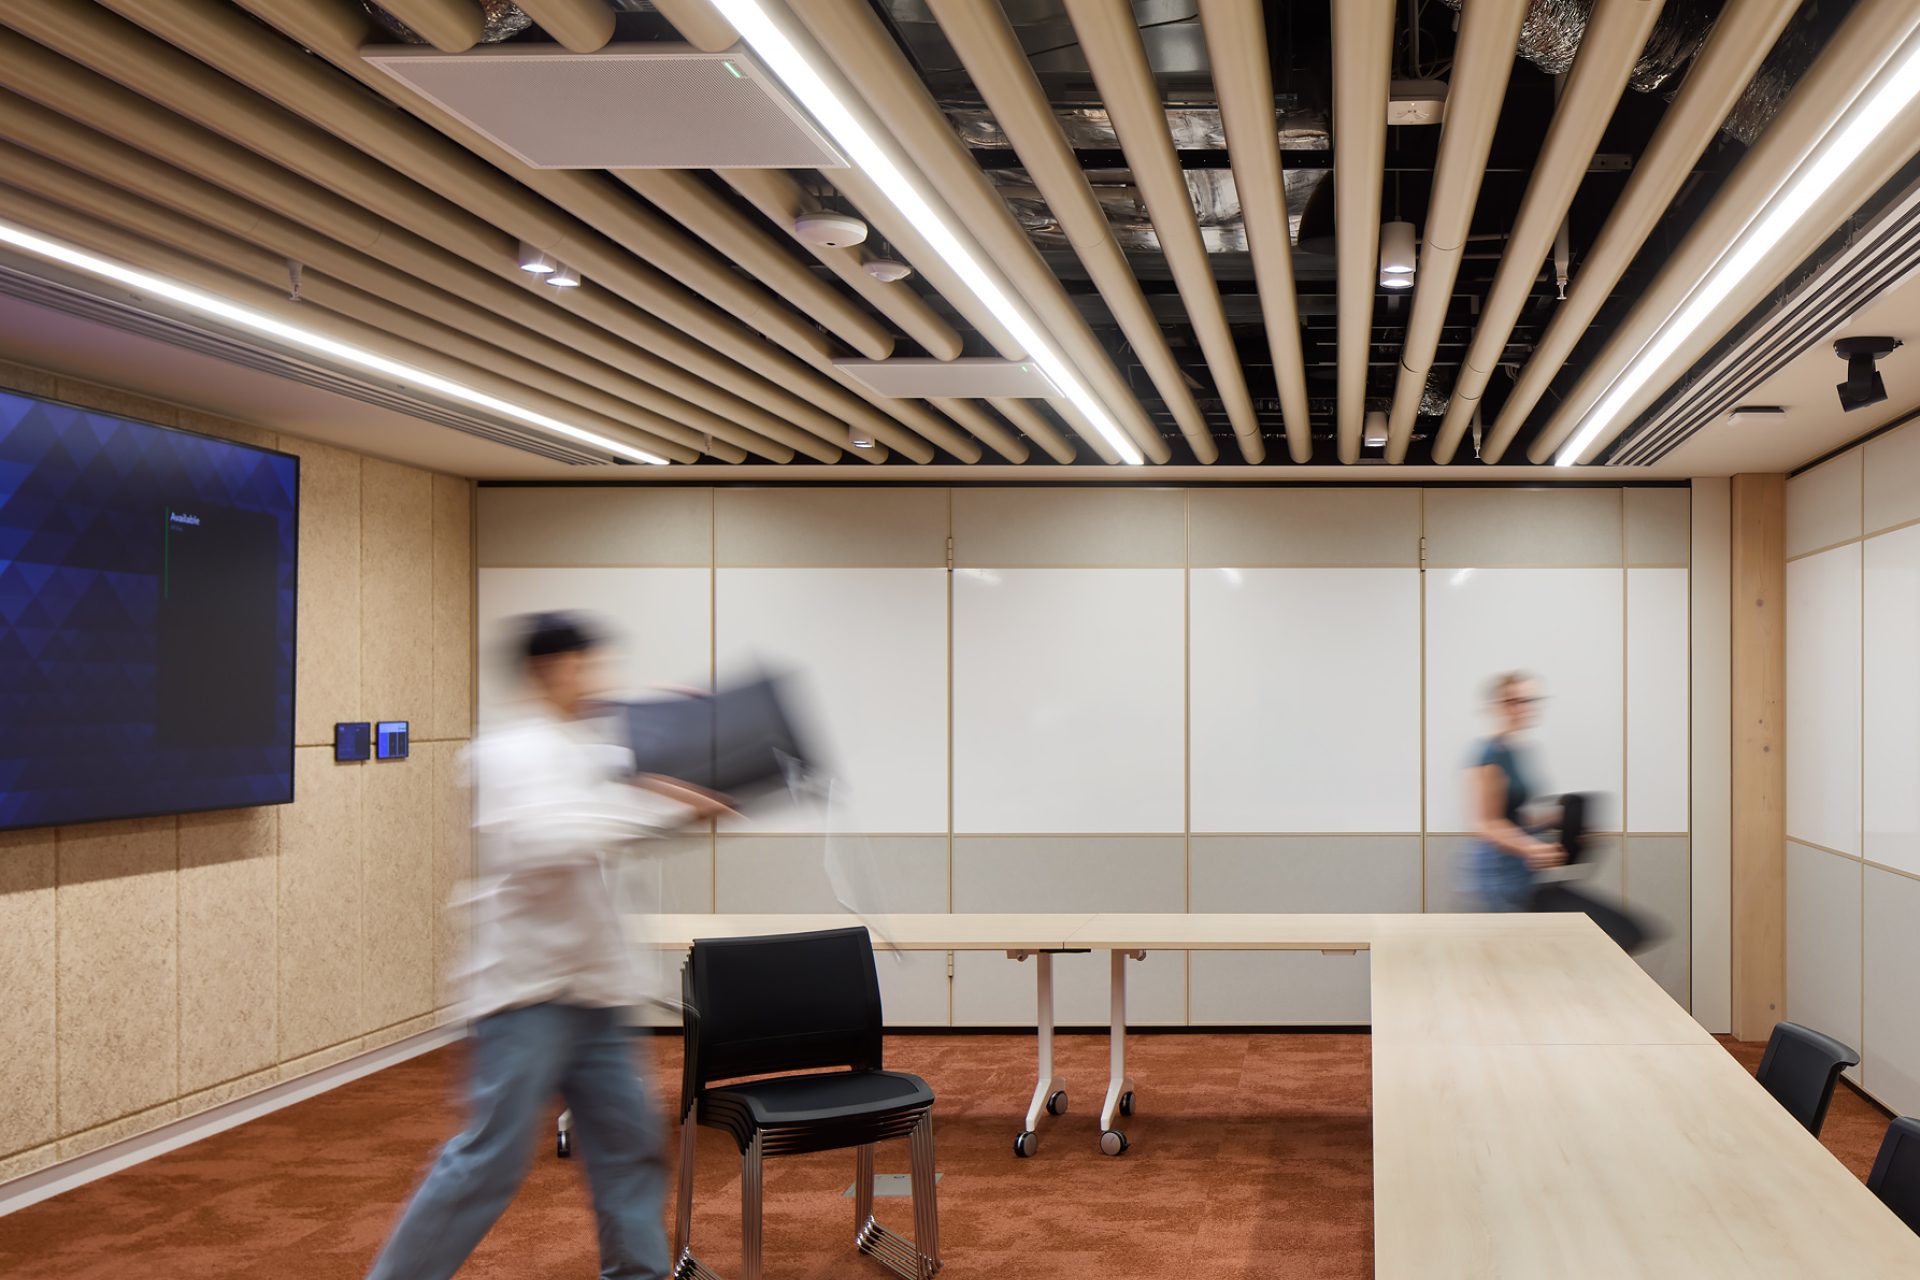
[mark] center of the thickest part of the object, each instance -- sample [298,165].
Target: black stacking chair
[799,1002]
[1800,1068]
[1896,1171]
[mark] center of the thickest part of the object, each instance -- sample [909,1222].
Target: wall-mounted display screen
[146,618]
[390,740]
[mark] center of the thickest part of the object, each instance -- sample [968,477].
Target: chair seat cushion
[818,1112]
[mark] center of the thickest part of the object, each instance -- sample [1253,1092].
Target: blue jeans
[521,1059]
[1496,880]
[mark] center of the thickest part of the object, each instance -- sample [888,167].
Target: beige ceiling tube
[119,113]
[1476,90]
[225,39]
[141,221]
[911,245]
[581,25]
[1037,428]
[1236,34]
[1873,33]
[177,81]
[48,134]
[90,233]
[1741,38]
[979,33]
[334,29]
[699,24]
[1615,36]
[990,431]
[1362,69]
[781,201]
[681,196]
[451,26]
[1070,414]
[866,55]
[31,165]
[1110,39]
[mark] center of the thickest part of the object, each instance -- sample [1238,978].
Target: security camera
[1864,385]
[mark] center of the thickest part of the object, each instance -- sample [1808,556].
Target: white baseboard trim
[46,1183]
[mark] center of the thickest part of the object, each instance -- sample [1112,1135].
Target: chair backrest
[1800,1068]
[1896,1171]
[786,1002]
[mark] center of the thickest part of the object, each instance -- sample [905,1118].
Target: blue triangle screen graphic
[146,618]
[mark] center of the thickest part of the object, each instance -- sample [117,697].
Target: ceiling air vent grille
[129,316]
[1877,256]
[627,106]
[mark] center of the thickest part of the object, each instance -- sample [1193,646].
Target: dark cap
[549,633]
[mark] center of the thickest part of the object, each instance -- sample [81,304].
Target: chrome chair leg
[752,1166]
[926,1201]
[862,1193]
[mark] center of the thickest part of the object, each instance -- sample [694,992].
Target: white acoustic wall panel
[1657,744]
[1305,699]
[1890,1056]
[1068,873]
[659,620]
[1823,505]
[1563,626]
[1823,699]
[1891,716]
[1068,700]
[867,650]
[1823,942]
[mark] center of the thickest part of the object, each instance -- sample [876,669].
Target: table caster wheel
[1126,1103]
[1057,1103]
[563,1144]
[1113,1143]
[1025,1144]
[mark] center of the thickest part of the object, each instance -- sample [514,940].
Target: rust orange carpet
[1251,1158]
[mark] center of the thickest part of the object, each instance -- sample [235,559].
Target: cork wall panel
[319,895]
[228,915]
[396,870]
[396,593]
[116,975]
[452,711]
[26,975]
[327,677]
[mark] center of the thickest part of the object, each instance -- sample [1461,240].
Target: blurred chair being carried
[792,1003]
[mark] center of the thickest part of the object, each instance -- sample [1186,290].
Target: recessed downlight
[563,276]
[536,261]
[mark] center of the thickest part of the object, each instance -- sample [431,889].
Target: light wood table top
[997,931]
[1541,1108]
[1663,1161]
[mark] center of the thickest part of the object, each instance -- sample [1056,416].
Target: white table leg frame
[1119,1101]
[1049,1092]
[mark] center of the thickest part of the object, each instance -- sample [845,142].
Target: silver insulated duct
[503,20]
[1553,29]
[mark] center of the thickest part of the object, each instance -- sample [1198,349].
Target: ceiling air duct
[501,20]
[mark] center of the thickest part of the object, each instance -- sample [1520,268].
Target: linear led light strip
[1899,84]
[259,322]
[766,39]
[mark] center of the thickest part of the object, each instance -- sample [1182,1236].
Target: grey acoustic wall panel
[1823,942]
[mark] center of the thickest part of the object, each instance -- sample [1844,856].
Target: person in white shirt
[549,974]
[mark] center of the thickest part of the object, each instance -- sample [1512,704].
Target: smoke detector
[830,230]
[886,270]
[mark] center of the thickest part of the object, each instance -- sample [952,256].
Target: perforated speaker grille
[628,106]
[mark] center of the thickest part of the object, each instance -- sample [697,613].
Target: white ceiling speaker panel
[969,378]
[627,106]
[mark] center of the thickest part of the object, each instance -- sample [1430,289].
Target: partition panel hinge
[949,964]
[949,554]
[1423,553]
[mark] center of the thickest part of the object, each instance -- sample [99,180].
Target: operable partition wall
[1853,757]
[1141,699]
